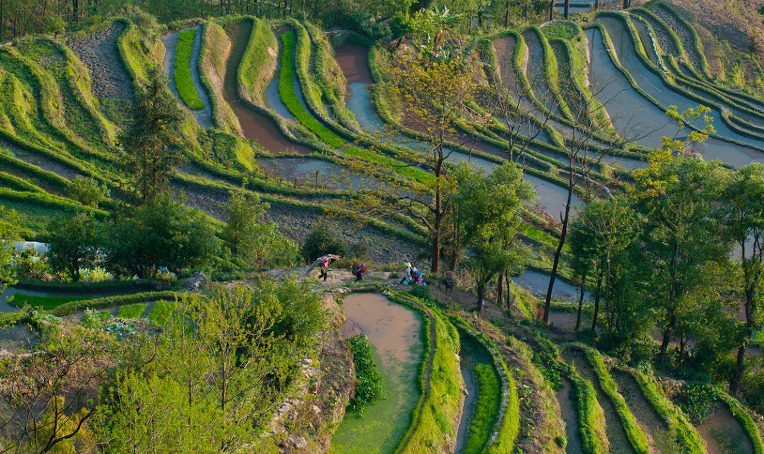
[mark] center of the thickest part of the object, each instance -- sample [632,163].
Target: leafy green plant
[487,407]
[131,311]
[321,241]
[696,401]
[183,80]
[162,312]
[369,386]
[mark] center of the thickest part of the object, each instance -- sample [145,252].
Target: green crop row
[132,311]
[437,408]
[112,301]
[634,434]
[506,424]
[162,312]
[32,172]
[591,419]
[182,65]
[212,60]
[18,184]
[677,423]
[487,406]
[46,200]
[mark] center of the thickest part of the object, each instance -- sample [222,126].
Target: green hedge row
[182,66]
[111,301]
[258,63]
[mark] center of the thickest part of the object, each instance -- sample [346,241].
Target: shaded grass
[132,311]
[44,302]
[183,80]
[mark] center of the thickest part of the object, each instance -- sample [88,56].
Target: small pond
[395,333]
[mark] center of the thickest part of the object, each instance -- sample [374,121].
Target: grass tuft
[183,80]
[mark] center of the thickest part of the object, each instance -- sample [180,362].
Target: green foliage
[369,387]
[321,241]
[163,234]
[87,191]
[695,400]
[74,243]
[132,311]
[151,140]
[183,80]
[487,408]
[162,312]
[258,243]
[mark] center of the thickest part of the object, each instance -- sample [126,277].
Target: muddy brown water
[395,333]
[354,62]
[616,435]
[723,434]
[254,125]
[570,416]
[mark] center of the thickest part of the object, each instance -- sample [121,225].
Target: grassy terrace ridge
[639,51]
[182,70]
[287,79]
[216,47]
[112,301]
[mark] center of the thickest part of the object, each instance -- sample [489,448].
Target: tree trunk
[581,301]
[596,304]
[481,297]
[506,18]
[500,289]
[551,9]
[739,366]
[558,252]
[667,335]
[596,5]
[567,9]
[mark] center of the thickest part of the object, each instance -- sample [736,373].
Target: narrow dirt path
[723,434]
[254,125]
[570,416]
[170,41]
[616,435]
[649,421]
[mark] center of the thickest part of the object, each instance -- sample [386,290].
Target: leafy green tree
[9,234]
[743,215]
[321,241]
[74,243]
[162,234]
[257,242]
[151,141]
[432,89]
[603,231]
[488,212]
[674,195]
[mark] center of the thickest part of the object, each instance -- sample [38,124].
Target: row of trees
[22,17]
[679,257]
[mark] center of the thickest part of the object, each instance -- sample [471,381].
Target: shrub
[369,386]
[183,80]
[87,191]
[321,241]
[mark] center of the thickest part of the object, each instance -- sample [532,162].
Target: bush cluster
[369,386]
[321,241]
